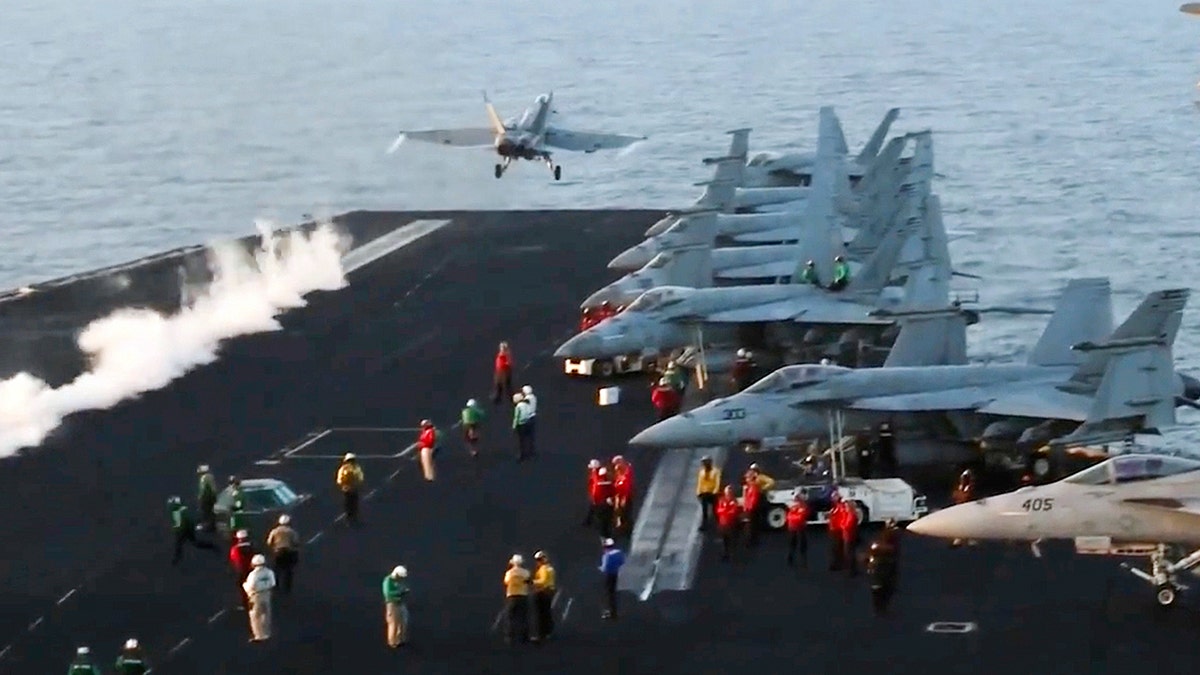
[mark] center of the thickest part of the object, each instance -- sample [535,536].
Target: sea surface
[1065,132]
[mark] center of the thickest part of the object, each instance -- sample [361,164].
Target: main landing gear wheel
[557,173]
[1166,595]
[499,170]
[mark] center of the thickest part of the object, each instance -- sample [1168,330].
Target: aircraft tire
[776,516]
[1166,595]
[607,368]
[499,171]
[558,172]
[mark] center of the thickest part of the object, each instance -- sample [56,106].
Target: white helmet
[741,353]
[516,559]
[83,651]
[754,466]
[400,572]
[243,534]
[131,643]
[202,469]
[285,519]
[609,542]
[603,471]
[594,464]
[527,390]
[258,560]
[618,459]
[349,456]
[518,397]
[825,362]
[471,403]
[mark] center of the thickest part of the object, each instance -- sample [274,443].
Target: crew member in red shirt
[797,526]
[602,497]
[848,528]
[752,502]
[622,472]
[240,555]
[665,399]
[595,498]
[728,515]
[836,548]
[502,374]
[427,444]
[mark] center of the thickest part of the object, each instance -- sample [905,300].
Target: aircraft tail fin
[821,239]
[839,137]
[493,117]
[1083,313]
[1155,322]
[871,149]
[936,337]
[876,272]
[888,186]
[739,147]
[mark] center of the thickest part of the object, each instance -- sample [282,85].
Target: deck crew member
[529,397]
[241,555]
[708,481]
[752,503]
[740,374]
[847,528]
[729,513]
[544,587]
[866,455]
[964,491]
[258,586]
[472,417]
[797,526]
[595,498]
[82,664]
[665,399]
[427,445]
[235,487]
[881,571]
[184,530]
[841,274]
[604,493]
[516,600]
[131,660]
[284,543]
[887,448]
[207,498]
[760,477]
[523,427]
[349,481]
[395,606]
[837,549]
[502,373]
[674,374]
[808,275]
[622,473]
[610,566]
[758,514]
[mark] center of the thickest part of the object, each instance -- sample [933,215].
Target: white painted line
[35,624]
[394,474]
[567,609]
[213,619]
[339,518]
[307,443]
[340,457]
[67,596]
[182,643]
[405,452]
[554,601]
[370,494]
[376,429]
[499,618]
[267,462]
[400,237]
[315,537]
[954,627]
[5,652]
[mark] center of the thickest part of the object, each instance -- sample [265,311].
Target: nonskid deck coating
[413,337]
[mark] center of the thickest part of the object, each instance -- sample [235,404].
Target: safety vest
[841,271]
[178,516]
[472,415]
[208,486]
[522,414]
[130,665]
[708,482]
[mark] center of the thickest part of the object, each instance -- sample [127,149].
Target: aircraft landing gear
[557,172]
[501,168]
[1164,574]
[554,168]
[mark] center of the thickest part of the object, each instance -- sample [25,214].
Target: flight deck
[88,546]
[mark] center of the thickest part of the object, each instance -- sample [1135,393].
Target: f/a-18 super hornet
[686,256]
[1126,505]
[1083,384]
[531,137]
[671,317]
[770,168]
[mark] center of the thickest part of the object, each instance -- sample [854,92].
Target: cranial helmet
[258,560]
[594,464]
[131,643]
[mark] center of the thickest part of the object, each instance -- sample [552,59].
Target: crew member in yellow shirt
[708,486]
[543,597]
[516,600]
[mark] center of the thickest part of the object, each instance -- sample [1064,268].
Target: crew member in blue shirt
[610,567]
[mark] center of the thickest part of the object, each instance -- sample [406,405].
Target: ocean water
[1065,132]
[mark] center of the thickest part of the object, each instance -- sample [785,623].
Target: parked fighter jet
[1130,502]
[1099,390]
[790,168]
[530,137]
[788,226]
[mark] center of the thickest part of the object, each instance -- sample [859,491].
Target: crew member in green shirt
[472,416]
[841,274]
[395,600]
[808,275]
[207,498]
[82,665]
[184,529]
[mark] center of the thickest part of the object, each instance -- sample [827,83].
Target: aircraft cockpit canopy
[792,378]
[1131,468]
[657,298]
[660,260]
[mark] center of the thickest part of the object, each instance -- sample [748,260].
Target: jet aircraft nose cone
[606,294]
[632,258]
[962,521]
[669,433]
[581,346]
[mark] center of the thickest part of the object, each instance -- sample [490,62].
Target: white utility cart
[605,367]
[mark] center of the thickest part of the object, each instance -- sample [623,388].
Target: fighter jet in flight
[1081,385]
[1128,502]
[531,137]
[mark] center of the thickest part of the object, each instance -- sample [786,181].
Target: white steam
[132,351]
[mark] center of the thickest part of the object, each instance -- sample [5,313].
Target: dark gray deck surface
[412,337]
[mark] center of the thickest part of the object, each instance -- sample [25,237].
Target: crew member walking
[752,503]
[837,548]
[610,566]
[395,604]
[544,587]
[184,530]
[529,397]
[349,481]
[964,491]
[258,586]
[797,525]
[622,493]
[472,417]
[881,570]
[604,510]
[516,600]
[83,665]
[595,499]
[427,444]
[207,498]
[523,427]
[708,482]
[502,374]
[241,556]
[848,526]
[729,512]
[284,543]
[131,660]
